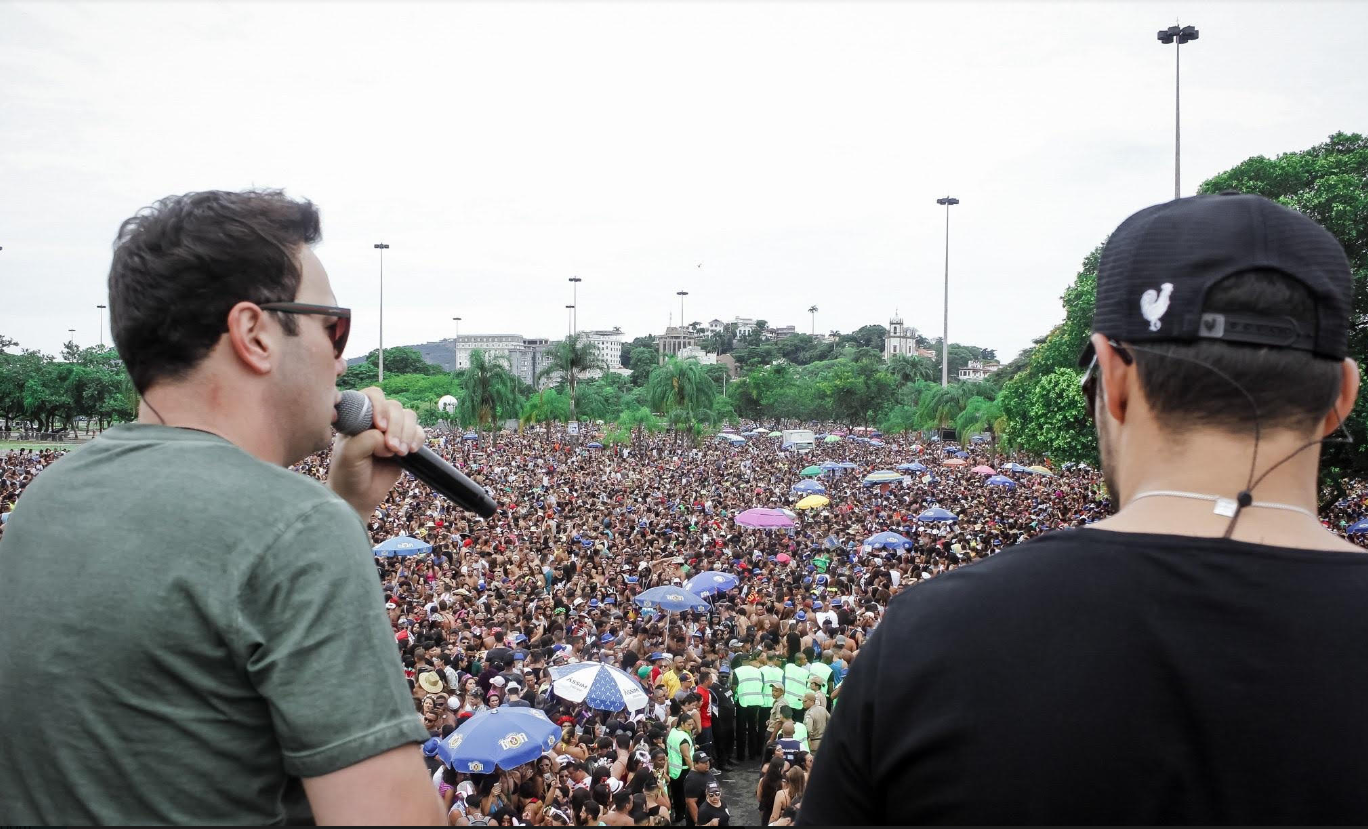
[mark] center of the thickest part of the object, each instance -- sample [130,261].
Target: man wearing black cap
[696,786]
[1183,660]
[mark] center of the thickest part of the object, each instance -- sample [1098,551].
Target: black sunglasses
[337,330]
[1090,377]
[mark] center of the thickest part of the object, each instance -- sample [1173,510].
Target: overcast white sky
[794,149]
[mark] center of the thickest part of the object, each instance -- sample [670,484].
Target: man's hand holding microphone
[378,438]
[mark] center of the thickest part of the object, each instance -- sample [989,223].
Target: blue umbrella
[911,467]
[710,581]
[499,738]
[403,545]
[672,598]
[961,454]
[594,445]
[809,488]
[978,439]
[470,436]
[849,465]
[888,541]
[1014,467]
[831,465]
[937,514]
[599,686]
[1359,526]
[1001,480]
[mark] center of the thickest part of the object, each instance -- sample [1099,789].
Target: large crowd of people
[550,580]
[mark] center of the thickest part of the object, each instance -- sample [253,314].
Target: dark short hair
[1292,389]
[182,263]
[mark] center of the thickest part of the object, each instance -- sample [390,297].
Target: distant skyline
[793,150]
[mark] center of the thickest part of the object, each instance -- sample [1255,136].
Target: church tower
[901,339]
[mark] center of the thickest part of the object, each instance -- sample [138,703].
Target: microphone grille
[354,414]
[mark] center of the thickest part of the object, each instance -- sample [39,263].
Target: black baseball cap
[1159,264]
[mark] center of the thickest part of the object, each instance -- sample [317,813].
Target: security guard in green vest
[796,675]
[750,700]
[822,671]
[679,747]
[771,674]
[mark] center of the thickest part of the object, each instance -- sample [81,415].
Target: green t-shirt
[185,628]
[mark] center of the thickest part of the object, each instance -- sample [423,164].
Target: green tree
[360,376]
[647,342]
[680,389]
[643,361]
[490,388]
[908,368]
[571,358]
[546,406]
[403,360]
[981,415]
[1057,424]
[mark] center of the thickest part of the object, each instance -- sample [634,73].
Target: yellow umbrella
[813,502]
[1040,470]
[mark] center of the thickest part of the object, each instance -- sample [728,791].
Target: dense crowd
[483,618]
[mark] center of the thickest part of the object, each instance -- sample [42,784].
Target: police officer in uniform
[724,721]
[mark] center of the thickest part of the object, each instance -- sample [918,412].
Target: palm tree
[490,387]
[546,406]
[680,388]
[812,309]
[908,368]
[980,415]
[570,358]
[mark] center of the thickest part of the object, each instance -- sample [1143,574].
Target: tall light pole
[382,247]
[101,328]
[455,366]
[569,316]
[681,295]
[72,332]
[574,298]
[945,332]
[1177,35]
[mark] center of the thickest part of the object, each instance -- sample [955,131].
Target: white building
[693,352]
[525,356]
[900,339]
[609,346]
[977,370]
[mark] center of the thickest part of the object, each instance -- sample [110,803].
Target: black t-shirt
[696,785]
[1099,677]
[706,813]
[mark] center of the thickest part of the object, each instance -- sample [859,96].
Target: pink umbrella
[764,519]
[984,470]
[783,558]
[955,462]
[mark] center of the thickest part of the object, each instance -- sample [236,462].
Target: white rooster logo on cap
[1153,304]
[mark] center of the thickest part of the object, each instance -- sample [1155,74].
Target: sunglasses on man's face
[1091,377]
[337,330]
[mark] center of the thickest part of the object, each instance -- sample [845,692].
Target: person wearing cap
[1213,596]
[224,584]
[713,811]
[695,785]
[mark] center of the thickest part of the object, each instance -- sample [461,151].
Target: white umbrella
[601,686]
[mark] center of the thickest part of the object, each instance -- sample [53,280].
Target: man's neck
[208,407]
[1217,464]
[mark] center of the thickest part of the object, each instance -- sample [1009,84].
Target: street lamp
[574,298]
[681,295]
[1177,36]
[569,313]
[382,247]
[101,328]
[72,332]
[945,333]
[456,365]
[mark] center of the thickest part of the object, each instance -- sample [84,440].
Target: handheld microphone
[355,415]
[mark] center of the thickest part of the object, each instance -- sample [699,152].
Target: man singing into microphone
[185,594]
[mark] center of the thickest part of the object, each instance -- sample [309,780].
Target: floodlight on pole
[1177,35]
[945,332]
[382,247]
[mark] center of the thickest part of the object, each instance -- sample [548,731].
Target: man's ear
[1114,374]
[1348,395]
[250,337]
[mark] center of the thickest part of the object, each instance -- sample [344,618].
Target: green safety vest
[822,671]
[769,674]
[750,687]
[673,741]
[800,734]
[795,685]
